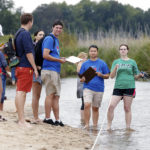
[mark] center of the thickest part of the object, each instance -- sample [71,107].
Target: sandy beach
[39,136]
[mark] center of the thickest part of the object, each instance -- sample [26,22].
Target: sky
[30,5]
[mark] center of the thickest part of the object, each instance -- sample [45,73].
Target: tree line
[86,16]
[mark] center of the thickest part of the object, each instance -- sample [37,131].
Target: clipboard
[89,74]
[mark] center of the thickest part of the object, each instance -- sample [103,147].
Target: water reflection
[119,139]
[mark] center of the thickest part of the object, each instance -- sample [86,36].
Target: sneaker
[49,121]
[59,123]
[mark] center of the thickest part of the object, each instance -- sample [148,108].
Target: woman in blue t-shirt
[83,56]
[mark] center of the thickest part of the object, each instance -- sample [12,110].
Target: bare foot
[109,129]
[130,129]
[24,125]
[36,121]
[86,127]
[95,127]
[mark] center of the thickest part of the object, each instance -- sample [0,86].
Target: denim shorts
[37,80]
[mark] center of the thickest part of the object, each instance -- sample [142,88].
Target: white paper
[73,59]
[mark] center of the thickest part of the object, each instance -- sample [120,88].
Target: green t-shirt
[125,73]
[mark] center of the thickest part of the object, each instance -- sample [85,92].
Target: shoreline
[39,136]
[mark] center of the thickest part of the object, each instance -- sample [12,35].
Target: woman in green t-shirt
[126,71]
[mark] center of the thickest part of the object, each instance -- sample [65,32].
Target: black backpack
[10,50]
[38,51]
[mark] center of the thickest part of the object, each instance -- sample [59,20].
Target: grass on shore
[108,48]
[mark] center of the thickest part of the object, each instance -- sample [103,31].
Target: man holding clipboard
[93,85]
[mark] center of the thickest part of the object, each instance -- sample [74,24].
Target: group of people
[31,76]
[124,69]
[27,71]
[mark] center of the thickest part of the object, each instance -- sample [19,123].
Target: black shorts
[124,92]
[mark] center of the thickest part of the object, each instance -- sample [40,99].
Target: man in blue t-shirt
[26,67]
[94,89]
[51,73]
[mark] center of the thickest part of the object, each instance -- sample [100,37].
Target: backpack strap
[51,35]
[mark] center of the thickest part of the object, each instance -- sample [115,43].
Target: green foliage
[86,16]
[91,16]
[139,51]
[105,23]
[4,39]
[9,20]
[142,57]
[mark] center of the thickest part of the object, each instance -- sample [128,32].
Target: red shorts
[24,79]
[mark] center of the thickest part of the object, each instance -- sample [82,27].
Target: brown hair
[58,22]
[93,46]
[25,18]
[125,46]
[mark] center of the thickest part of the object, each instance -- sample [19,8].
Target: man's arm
[104,76]
[51,58]
[32,62]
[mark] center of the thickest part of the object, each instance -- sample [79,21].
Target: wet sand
[39,136]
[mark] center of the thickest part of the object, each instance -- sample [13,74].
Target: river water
[119,138]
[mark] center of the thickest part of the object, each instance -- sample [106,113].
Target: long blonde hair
[82,55]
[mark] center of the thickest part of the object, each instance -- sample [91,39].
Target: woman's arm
[113,73]
[79,66]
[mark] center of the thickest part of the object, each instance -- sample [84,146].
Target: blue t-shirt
[24,45]
[97,83]
[54,51]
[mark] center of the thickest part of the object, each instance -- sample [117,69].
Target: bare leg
[1,106]
[82,111]
[87,113]
[110,114]
[48,105]
[95,115]
[82,116]
[127,107]
[20,102]
[56,107]
[36,92]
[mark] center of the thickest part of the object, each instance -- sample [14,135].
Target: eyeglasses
[123,49]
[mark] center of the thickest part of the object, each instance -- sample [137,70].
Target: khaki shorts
[92,97]
[51,80]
